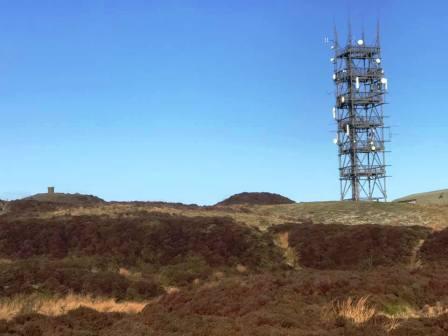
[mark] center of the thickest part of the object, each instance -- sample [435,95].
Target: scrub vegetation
[100,268]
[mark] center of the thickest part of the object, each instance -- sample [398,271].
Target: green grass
[265,216]
[437,197]
[396,308]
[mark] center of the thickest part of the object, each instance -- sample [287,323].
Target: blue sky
[192,101]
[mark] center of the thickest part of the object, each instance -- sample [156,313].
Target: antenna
[336,39]
[361,88]
[363,34]
[349,39]
[378,33]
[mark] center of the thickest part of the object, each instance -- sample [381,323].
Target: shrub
[337,246]
[159,239]
[435,247]
[43,276]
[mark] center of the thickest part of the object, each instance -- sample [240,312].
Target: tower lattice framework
[360,96]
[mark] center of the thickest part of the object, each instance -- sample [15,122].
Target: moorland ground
[142,268]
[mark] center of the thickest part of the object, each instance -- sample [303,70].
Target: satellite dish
[383,80]
[360,42]
[334,76]
[335,141]
[332,60]
[378,61]
[373,148]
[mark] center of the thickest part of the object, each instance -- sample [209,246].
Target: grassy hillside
[260,216]
[327,268]
[438,197]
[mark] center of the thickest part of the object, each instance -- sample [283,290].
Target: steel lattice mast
[360,95]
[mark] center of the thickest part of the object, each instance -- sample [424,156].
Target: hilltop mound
[432,197]
[40,203]
[63,198]
[256,198]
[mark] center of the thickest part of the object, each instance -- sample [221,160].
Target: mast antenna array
[360,92]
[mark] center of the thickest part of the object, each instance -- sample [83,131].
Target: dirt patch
[416,261]
[281,239]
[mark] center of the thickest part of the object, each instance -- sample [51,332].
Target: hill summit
[439,197]
[256,198]
[64,198]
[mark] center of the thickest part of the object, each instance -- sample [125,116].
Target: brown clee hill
[256,198]
[267,266]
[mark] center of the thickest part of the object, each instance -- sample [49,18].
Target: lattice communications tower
[360,96]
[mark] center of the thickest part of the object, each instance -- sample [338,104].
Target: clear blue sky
[193,101]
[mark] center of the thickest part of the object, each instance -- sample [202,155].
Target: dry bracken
[11,307]
[357,310]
